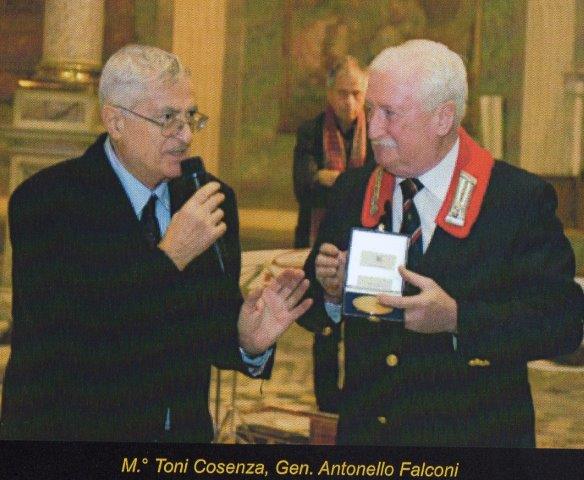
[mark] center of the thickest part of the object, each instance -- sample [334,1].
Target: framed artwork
[54,110]
[316,33]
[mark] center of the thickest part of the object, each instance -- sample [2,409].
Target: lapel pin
[373,206]
[464,189]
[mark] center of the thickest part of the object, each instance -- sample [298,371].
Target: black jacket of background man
[308,159]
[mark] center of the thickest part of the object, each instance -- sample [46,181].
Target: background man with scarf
[490,273]
[327,145]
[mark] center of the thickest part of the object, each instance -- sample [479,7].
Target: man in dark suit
[120,304]
[489,276]
[326,145]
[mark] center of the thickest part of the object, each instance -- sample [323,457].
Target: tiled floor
[557,394]
[290,387]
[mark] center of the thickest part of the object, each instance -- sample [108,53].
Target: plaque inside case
[372,268]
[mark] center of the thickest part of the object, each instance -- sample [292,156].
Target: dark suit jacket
[308,159]
[107,332]
[512,278]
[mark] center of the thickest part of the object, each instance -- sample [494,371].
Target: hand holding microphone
[198,224]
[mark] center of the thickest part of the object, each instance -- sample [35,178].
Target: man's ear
[113,121]
[445,115]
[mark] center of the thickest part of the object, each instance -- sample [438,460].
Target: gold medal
[370,304]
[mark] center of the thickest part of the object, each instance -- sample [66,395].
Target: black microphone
[194,170]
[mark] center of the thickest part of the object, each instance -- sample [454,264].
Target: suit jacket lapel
[111,206]
[437,258]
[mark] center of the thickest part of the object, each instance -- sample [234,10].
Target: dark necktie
[152,231]
[411,219]
[150,222]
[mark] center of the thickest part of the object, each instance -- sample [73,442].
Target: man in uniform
[489,276]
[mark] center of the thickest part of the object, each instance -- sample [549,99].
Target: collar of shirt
[429,200]
[136,191]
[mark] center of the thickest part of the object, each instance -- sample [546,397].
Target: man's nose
[184,133]
[375,128]
[352,102]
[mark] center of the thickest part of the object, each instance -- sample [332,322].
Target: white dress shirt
[429,200]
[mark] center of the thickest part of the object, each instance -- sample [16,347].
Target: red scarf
[472,159]
[335,157]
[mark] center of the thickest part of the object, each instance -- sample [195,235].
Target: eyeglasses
[171,126]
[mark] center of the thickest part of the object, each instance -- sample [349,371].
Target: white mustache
[384,142]
[179,151]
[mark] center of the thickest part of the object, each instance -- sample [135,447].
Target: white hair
[130,74]
[440,73]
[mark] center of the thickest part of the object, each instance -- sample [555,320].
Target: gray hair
[440,72]
[349,65]
[131,72]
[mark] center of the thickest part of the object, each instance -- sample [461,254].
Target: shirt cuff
[256,364]
[333,311]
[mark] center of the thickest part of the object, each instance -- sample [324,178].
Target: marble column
[55,113]
[574,88]
[72,41]
[199,40]
[549,53]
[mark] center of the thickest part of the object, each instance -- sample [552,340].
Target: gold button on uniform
[479,362]
[326,331]
[382,420]
[392,360]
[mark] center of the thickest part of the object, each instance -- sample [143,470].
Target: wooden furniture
[322,429]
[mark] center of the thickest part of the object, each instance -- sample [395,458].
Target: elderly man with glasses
[120,304]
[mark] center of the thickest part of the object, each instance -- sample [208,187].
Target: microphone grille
[192,166]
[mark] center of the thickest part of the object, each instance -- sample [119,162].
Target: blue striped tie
[411,219]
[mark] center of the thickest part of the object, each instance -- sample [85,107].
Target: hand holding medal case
[372,268]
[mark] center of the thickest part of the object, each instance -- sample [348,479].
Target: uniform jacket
[107,332]
[512,278]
